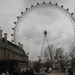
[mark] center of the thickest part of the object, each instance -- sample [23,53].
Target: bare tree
[59,54]
[54,55]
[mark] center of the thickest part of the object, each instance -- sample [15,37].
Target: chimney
[5,36]
[0,34]
[19,45]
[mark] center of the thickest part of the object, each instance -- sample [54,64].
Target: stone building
[11,55]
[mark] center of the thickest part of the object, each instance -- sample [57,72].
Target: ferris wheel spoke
[58,21]
[33,21]
[63,27]
[36,47]
[39,14]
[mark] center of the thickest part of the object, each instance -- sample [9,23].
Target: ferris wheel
[44,24]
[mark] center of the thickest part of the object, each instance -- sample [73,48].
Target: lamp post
[28,60]
[8,59]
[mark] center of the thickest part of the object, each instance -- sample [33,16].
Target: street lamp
[28,60]
[8,59]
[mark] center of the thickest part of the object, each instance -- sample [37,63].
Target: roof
[12,47]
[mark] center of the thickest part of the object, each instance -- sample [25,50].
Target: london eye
[42,25]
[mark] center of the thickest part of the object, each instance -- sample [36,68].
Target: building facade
[11,55]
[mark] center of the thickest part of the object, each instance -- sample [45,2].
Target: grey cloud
[10,9]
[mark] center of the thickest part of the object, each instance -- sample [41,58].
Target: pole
[8,60]
[28,60]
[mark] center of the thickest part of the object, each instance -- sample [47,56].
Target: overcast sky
[10,9]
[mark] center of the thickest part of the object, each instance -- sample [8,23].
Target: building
[11,55]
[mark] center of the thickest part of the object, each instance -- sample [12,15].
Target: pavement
[55,73]
[59,73]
